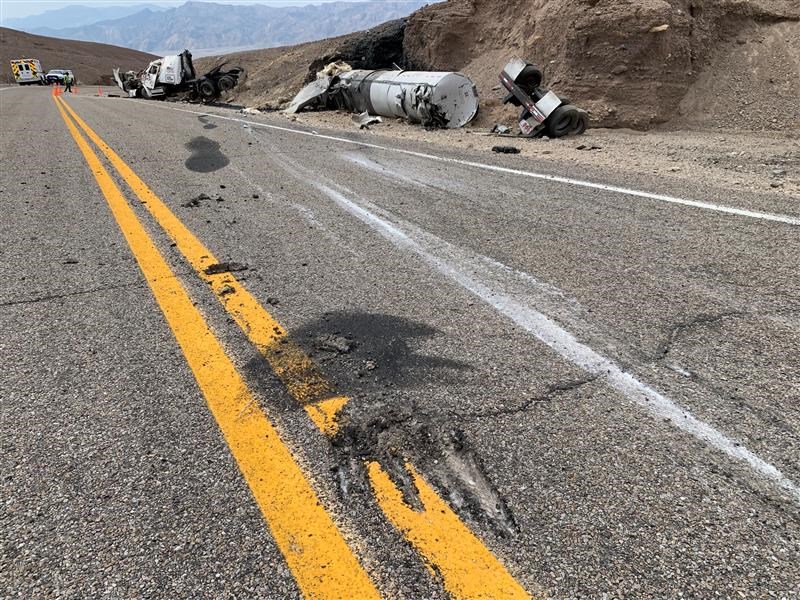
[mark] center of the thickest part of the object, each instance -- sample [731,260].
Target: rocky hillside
[632,63]
[733,64]
[91,63]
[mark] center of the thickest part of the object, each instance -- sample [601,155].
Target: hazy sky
[11,9]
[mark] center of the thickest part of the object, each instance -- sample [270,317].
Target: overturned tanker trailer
[175,76]
[434,99]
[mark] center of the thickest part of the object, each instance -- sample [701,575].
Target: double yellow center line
[315,550]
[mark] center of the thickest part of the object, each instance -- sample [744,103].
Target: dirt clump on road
[92,63]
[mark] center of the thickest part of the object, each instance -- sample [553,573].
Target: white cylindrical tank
[443,99]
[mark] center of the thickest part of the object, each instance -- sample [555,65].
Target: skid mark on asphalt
[315,551]
[440,255]
[468,568]
[720,208]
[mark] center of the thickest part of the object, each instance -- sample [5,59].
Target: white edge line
[568,347]
[741,212]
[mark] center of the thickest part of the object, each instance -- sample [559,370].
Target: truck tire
[581,123]
[561,121]
[207,89]
[226,83]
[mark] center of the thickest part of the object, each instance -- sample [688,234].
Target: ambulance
[27,71]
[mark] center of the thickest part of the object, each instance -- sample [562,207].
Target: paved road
[242,358]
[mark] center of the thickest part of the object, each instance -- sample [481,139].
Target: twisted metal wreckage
[175,77]
[439,99]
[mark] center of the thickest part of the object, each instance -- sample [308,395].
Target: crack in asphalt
[553,390]
[696,321]
[86,292]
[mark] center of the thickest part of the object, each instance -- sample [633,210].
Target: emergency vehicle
[27,71]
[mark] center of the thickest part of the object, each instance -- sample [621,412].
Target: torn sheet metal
[313,96]
[434,99]
[364,120]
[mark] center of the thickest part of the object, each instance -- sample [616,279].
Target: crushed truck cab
[175,76]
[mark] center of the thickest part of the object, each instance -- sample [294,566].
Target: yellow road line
[319,558]
[475,574]
[468,568]
[297,371]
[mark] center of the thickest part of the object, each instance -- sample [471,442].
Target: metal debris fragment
[364,120]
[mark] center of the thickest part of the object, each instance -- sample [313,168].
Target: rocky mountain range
[75,15]
[210,26]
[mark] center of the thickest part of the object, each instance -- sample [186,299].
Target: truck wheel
[561,121]
[581,123]
[226,83]
[207,89]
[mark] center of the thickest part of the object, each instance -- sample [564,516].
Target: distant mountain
[208,26]
[75,16]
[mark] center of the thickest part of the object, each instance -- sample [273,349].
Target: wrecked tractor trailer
[174,76]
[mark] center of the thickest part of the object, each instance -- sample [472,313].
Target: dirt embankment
[731,64]
[92,63]
[275,75]
[631,63]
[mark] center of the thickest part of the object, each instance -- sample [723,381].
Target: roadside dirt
[740,160]
[629,63]
[634,64]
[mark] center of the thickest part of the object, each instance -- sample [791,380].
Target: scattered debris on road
[195,202]
[330,342]
[175,77]
[543,112]
[225,267]
[501,129]
[505,150]
[432,98]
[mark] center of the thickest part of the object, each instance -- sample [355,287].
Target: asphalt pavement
[484,375]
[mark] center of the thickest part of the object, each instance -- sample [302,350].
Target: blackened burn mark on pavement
[206,155]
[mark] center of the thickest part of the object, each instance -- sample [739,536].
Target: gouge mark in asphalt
[473,573]
[319,558]
[477,573]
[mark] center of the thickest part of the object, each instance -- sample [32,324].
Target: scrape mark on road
[560,340]
[206,155]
